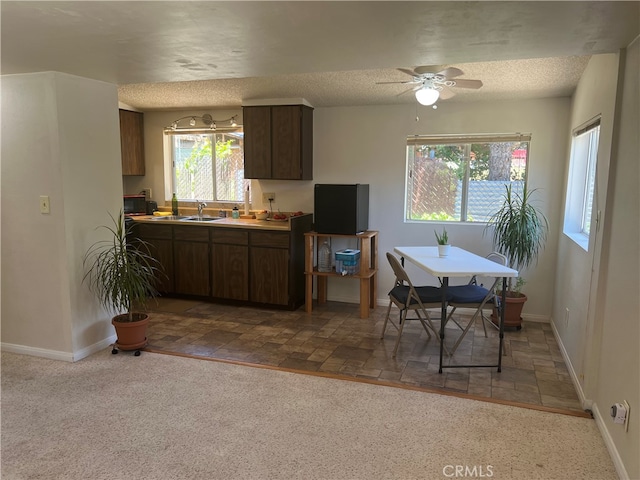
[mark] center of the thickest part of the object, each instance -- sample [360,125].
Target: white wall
[595,95]
[617,375]
[367,145]
[60,137]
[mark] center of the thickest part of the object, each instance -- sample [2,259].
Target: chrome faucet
[201,205]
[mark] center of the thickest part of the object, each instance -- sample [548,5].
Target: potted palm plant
[519,232]
[123,277]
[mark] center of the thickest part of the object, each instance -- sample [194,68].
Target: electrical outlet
[268,197]
[44,204]
[147,192]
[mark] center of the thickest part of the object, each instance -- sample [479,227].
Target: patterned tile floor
[334,340]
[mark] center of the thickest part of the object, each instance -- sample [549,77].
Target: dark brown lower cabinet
[269,267]
[163,251]
[191,260]
[241,266]
[159,239]
[230,264]
[269,275]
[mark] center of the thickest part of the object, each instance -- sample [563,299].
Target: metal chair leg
[384,327]
[403,317]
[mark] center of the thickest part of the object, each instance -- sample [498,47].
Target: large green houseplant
[123,277]
[519,232]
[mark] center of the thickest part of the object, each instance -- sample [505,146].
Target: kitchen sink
[200,219]
[169,217]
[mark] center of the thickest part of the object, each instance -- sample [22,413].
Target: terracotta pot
[512,312]
[131,335]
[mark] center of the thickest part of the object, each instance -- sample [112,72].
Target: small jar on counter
[235,213]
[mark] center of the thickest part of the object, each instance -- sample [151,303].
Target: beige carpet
[166,417]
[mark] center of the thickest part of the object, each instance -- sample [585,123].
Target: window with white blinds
[462,178]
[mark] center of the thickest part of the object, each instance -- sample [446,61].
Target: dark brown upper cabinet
[278,142]
[132,142]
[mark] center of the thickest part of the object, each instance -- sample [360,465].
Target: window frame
[582,183]
[459,139]
[170,161]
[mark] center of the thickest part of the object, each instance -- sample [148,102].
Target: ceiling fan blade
[410,90]
[446,93]
[407,71]
[387,83]
[462,83]
[451,72]
[428,69]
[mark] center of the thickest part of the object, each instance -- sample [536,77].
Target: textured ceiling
[170,55]
[509,79]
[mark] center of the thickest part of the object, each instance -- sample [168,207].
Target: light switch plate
[44,204]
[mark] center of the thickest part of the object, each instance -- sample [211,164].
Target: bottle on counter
[235,213]
[324,257]
[174,205]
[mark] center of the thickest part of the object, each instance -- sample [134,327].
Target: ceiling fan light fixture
[427,95]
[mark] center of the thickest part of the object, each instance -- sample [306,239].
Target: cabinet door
[162,250]
[286,142]
[230,267]
[132,142]
[191,260]
[160,244]
[269,275]
[257,142]
[191,268]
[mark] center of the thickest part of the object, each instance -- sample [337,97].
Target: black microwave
[135,205]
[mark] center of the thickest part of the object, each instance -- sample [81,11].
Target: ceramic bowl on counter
[262,215]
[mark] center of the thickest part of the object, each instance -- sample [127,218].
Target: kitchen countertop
[222,222]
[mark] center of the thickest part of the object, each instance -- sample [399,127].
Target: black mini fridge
[341,209]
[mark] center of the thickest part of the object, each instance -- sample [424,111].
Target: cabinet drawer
[145,230]
[270,239]
[229,236]
[192,234]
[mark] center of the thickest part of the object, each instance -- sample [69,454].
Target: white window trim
[577,178]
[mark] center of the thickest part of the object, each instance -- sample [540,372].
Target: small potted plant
[443,243]
[123,277]
[519,233]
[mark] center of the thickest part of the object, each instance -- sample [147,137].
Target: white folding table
[459,263]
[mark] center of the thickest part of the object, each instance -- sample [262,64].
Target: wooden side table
[368,274]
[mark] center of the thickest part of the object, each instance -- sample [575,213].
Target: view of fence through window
[462,181]
[209,166]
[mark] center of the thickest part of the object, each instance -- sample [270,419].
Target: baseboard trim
[610,444]
[37,352]
[536,318]
[96,347]
[55,354]
[586,403]
[589,404]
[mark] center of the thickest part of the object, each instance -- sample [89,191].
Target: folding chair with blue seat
[407,297]
[477,297]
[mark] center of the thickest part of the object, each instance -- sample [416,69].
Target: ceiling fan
[433,82]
